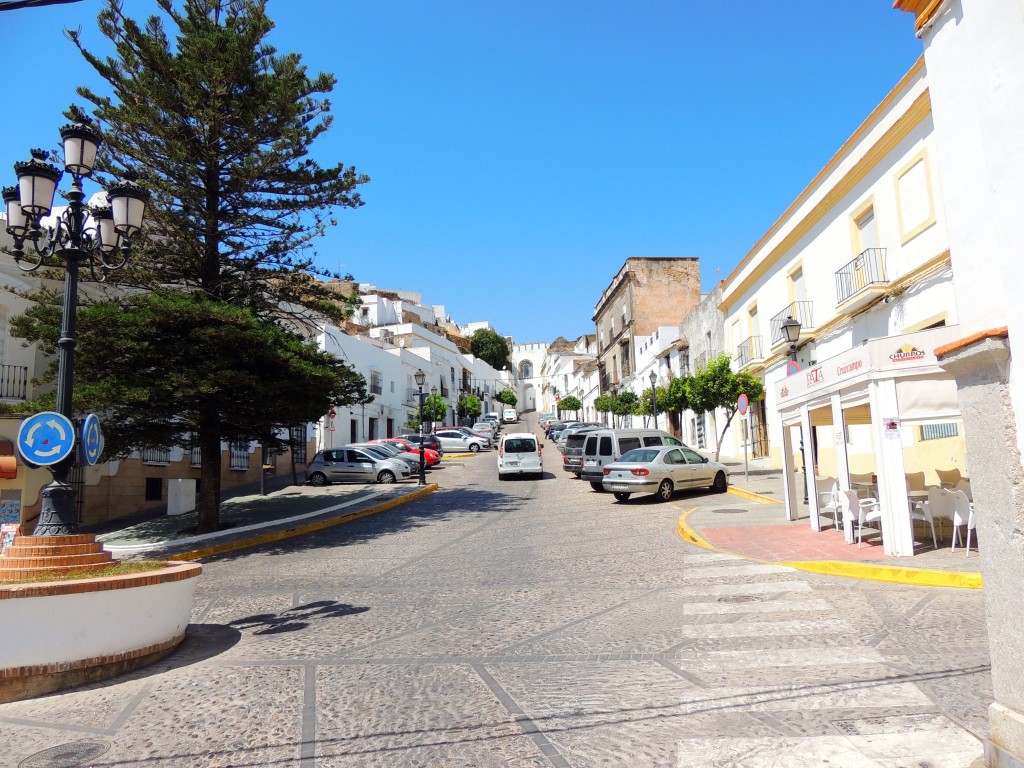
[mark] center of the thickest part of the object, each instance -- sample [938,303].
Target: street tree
[435,408]
[204,112]
[490,347]
[718,386]
[661,400]
[157,364]
[508,397]
[604,404]
[470,407]
[625,403]
[570,403]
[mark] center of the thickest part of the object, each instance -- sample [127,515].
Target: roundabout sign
[46,438]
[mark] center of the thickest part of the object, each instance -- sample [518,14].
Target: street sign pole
[743,405]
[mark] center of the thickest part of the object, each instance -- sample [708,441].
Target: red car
[430,457]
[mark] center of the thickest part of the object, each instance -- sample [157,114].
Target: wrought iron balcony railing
[798,310]
[14,382]
[865,271]
[749,350]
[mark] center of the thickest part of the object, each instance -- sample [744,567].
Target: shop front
[881,419]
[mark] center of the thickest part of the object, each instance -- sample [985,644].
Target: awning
[927,398]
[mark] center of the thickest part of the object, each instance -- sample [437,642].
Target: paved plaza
[533,623]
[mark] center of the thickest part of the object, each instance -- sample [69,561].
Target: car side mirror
[703,459]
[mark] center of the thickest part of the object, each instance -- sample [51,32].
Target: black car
[430,441]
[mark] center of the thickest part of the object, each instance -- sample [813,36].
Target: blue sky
[519,152]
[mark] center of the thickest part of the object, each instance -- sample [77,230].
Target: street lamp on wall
[98,237]
[791,332]
[421,378]
[654,399]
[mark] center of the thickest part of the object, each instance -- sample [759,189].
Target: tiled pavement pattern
[533,623]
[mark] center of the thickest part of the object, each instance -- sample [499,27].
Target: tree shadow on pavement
[439,506]
[294,619]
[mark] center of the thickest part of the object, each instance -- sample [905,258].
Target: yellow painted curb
[265,538]
[751,496]
[920,577]
[460,455]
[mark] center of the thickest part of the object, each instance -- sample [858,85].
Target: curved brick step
[31,557]
[55,562]
[51,541]
[20,550]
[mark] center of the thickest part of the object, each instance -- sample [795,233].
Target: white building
[527,360]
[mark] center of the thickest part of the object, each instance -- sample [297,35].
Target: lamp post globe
[98,238]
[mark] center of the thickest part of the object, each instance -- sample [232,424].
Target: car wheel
[474,448]
[720,484]
[599,487]
[619,496]
[387,476]
[318,479]
[665,490]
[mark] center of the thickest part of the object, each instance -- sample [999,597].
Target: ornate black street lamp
[421,378]
[654,399]
[99,237]
[791,332]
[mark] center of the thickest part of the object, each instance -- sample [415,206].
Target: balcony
[14,382]
[704,358]
[161,456]
[798,310]
[861,281]
[748,353]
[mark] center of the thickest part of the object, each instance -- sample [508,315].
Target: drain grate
[72,755]
[728,511]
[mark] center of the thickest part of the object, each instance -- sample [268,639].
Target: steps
[30,557]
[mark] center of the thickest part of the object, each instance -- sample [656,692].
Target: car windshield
[639,456]
[380,453]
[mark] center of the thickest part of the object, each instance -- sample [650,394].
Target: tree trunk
[208,512]
[721,437]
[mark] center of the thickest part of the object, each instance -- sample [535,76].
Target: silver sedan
[663,471]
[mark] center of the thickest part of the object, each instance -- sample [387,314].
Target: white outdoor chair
[829,504]
[922,511]
[963,514]
[860,511]
[938,506]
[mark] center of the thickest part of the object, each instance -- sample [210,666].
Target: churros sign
[907,353]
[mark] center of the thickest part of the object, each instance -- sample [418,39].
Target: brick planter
[67,633]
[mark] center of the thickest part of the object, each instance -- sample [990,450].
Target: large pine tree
[219,126]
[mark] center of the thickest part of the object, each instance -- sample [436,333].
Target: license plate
[619,485]
[511,463]
[591,462]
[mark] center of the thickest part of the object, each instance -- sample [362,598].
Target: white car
[520,453]
[454,441]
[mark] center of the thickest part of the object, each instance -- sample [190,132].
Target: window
[156,456]
[671,441]
[939,431]
[674,457]
[796,281]
[605,447]
[652,440]
[240,456]
[521,445]
[525,370]
[628,444]
[752,314]
[692,456]
[298,441]
[867,229]
[154,488]
[376,382]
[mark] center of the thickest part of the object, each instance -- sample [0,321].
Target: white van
[509,416]
[520,453]
[603,446]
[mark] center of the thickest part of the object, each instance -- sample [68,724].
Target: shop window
[939,431]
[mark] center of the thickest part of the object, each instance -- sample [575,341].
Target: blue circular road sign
[92,439]
[46,438]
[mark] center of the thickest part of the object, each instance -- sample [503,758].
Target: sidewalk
[255,519]
[755,526]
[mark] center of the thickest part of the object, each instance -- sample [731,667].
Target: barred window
[240,455]
[298,438]
[939,431]
[156,456]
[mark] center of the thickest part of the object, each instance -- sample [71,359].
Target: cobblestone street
[534,623]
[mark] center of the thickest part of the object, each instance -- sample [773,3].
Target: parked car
[663,471]
[430,457]
[603,446]
[493,420]
[520,453]
[391,452]
[572,429]
[485,428]
[431,441]
[572,453]
[470,433]
[339,465]
[555,428]
[509,416]
[454,440]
